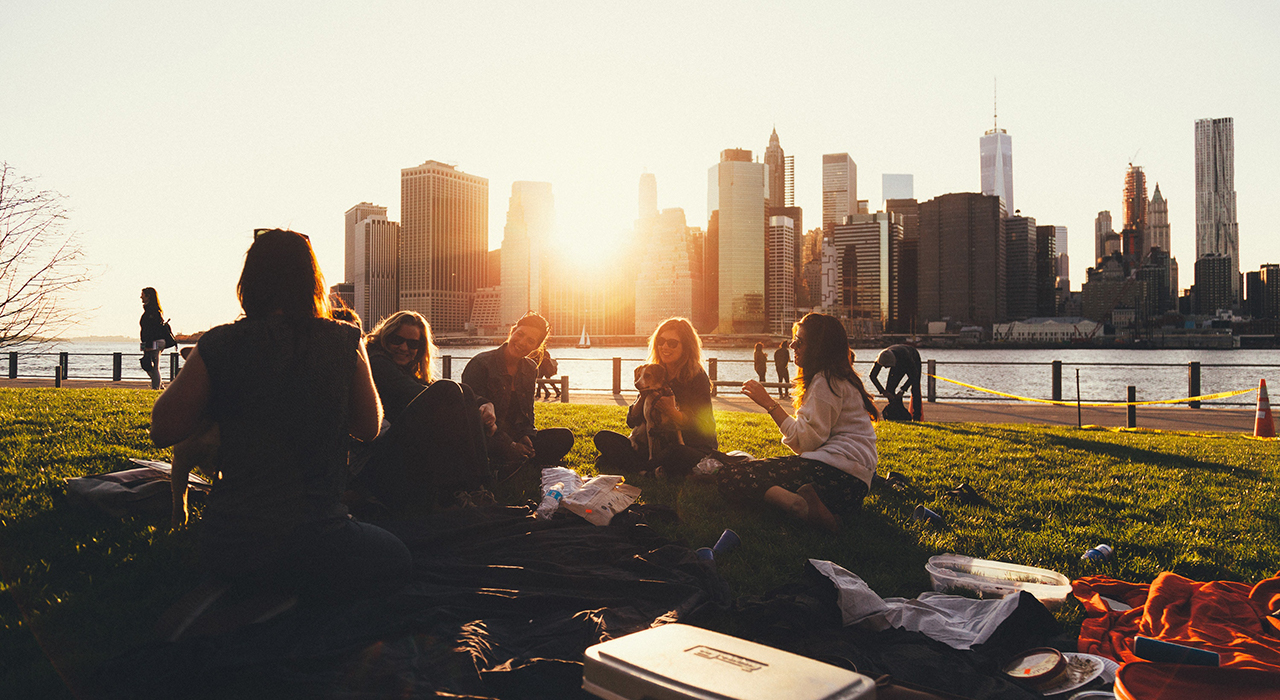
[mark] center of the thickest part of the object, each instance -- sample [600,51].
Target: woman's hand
[756,392]
[489,419]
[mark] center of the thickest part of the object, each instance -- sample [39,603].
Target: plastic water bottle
[550,502]
[1097,554]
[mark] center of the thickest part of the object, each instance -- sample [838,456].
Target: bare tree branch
[41,260]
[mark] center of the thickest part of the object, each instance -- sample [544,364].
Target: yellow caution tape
[1206,397]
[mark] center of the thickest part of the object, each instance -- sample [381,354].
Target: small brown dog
[660,428]
[198,451]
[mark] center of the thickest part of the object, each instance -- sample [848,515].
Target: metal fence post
[1133,410]
[1193,383]
[13,365]
[564,388]
[1057,380]
[446,366]
[933,383]
[617,376]
[63,362]
[711,373]
[57,377]
[117,362]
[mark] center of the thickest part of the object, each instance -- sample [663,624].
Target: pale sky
[175,128]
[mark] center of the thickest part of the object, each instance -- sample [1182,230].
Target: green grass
[1206,507]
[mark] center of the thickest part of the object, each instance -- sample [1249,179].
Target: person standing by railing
[153,334]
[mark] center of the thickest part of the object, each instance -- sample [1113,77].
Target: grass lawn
[89,587]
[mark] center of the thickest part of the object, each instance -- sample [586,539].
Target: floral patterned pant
[747,481]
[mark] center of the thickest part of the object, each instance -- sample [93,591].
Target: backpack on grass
[145,490]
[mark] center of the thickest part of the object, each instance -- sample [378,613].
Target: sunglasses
[259,231]
[397,339]
[668,342]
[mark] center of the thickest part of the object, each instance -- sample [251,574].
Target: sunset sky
[175,128]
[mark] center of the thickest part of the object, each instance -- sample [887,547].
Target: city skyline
[214,126]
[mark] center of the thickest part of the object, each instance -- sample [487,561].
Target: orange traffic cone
[1264,425]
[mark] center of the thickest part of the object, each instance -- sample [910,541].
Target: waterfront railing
[95,366]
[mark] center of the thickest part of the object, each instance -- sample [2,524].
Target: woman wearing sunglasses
[434,447]
[507,376]
[676,346]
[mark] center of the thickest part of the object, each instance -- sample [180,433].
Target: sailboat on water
[585,340]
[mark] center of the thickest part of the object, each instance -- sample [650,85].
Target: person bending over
[507,375]
[831,434]
[434,447]
[676,346]
[286,385]
[903,362]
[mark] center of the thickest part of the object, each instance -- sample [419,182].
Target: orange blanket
[1238,622]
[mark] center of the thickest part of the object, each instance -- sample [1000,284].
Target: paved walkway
[1231,420]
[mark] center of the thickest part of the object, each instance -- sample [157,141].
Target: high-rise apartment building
[1020,267]
[962,258]
[1214,273]
[1102,232]
[1134,236]
[995,150]
[780,275]
[444,239]
[530,218]
[376,292]
[908,264]
[1158,221]
[670,281]
[1217,231]
[839,189]
[355,215]
[870,248]
[897,186]
[736,189]
[1047,296]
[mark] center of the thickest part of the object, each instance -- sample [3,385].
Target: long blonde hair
[690,347]
[376,341]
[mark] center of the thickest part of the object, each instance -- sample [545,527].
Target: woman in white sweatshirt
[831,434]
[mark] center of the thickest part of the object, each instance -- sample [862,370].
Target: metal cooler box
[679,662]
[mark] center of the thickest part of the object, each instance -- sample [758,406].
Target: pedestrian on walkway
[761,361]
[153,334]
[781,363]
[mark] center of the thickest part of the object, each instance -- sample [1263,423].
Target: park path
[1229,420]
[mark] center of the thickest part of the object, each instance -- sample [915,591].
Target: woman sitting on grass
[507,376]
[831,433]
[286,385]
[675,346]
[434,451]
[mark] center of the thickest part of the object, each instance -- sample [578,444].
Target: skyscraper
[908,263]
[377,253]
[444,238]
[669,282]
[1217,231]
[530,216]
[780,275]
[775,159]
[839,189]
[1134,236]
[648,196]
[962,258]
[1105,239]
[1158,221]
[789,181]
[870,247]
[736,191]
[355,215]
[1020,267]
[995,150]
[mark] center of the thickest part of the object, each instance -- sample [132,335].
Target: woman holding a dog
[507,375]
[434,447]
[675,346]
[832,433]
[286,385]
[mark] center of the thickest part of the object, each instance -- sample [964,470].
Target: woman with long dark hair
[675,346]
[286,385]
[831,433]
[153,335]
[434,449]
[507,375]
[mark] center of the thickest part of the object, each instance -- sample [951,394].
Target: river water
[1104,373]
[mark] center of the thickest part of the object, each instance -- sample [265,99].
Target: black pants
[435,448]
[616,453]
[550,445]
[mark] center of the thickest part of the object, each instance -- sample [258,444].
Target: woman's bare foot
[818,514]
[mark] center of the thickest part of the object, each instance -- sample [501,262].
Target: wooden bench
[560,385]
[715,386]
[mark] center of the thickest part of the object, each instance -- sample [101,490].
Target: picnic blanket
[1235,620]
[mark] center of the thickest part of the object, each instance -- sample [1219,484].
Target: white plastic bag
[599,499]
[560,475]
